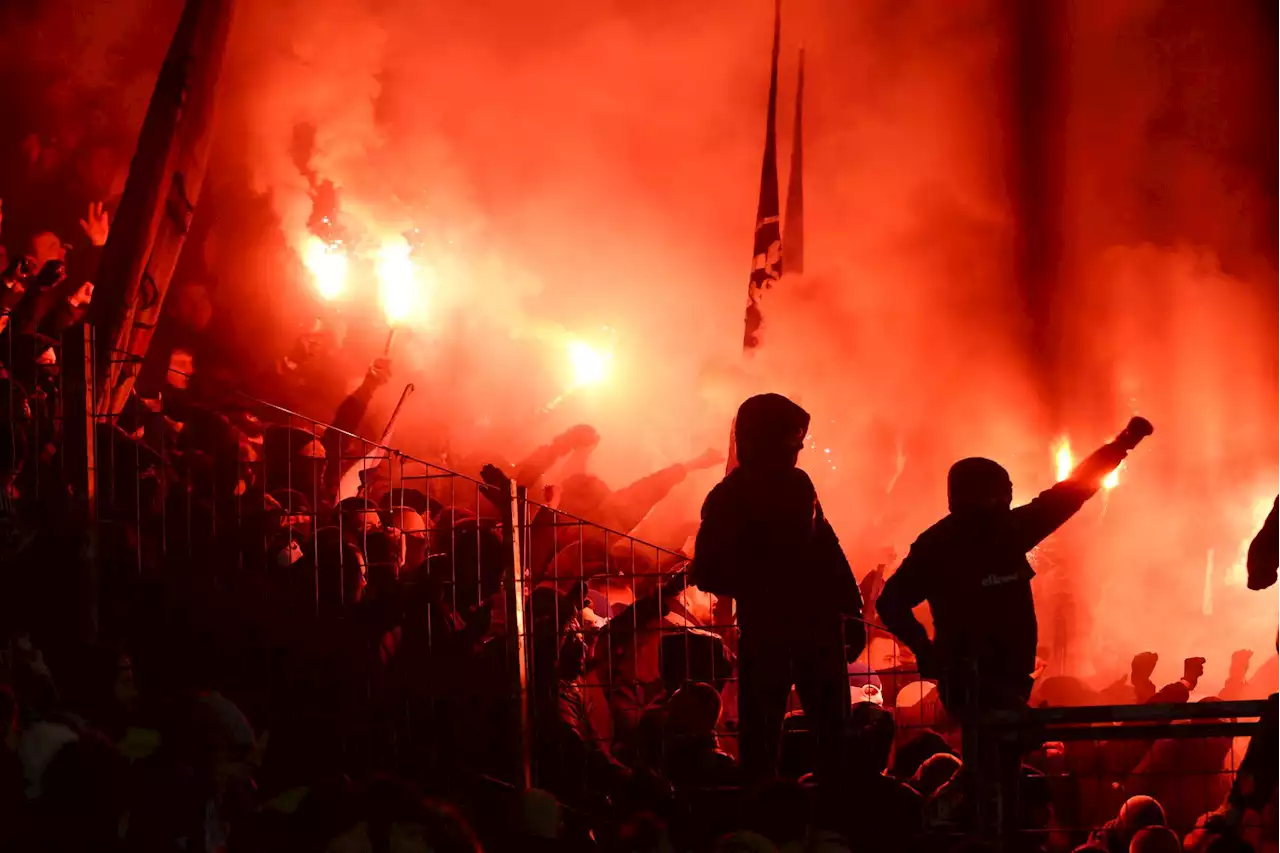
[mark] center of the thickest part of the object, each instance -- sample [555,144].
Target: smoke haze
[588,171]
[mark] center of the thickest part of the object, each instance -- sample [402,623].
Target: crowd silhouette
[210,645]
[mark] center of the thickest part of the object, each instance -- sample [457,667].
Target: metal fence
[415,620]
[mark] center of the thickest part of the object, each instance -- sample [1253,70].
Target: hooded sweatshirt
[764,540]
[973,570]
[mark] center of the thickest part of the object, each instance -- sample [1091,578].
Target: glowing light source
[400,290]
[590,366]
[1111,480]
[327,263]
[1064,461]
[1238,574]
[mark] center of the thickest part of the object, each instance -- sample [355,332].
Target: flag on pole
[766,250]
[164,183]
[793,236]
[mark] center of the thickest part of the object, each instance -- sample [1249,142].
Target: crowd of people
[243,631]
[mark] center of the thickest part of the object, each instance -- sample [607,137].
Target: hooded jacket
[972,568]
[764,540]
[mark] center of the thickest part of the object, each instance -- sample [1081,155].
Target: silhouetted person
[1264,552]
[883,813]
[973,570]
[765,543]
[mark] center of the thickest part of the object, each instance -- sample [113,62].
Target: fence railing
[429,621]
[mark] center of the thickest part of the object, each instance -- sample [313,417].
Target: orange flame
[328,265]
[1111,480]
[400,290]
[1064,461]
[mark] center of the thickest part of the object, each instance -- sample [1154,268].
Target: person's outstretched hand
[83,295]
[1239,665]
[578,437]
[379,372]
[493,476]
[1192,669]
[1144,663]
[1135,432]
[95,225]
[709,458]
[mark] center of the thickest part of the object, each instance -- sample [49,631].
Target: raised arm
[1051,509]
[627,507]
[532,468]
[347,419]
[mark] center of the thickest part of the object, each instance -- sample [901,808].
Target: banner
[766,251]
[165,178]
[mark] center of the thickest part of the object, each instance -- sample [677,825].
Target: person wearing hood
[972,566]
[972,569]
[765,543]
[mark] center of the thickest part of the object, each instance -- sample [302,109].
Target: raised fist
[1144,663]
[493,476]
[379,372]
[1135,432]
[577,437]
[1192,669]
[1240,664]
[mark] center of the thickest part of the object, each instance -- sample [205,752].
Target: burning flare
[328,265]
[400,290]
[1065,463]
[590,366]
[1063,457]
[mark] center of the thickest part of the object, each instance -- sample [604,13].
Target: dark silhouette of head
[871,731]
[1155,839]
[977,485]
[694,710]
[339,572]
[384,557]
[769,432]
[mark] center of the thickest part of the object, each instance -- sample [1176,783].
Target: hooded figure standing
[765,543]
[973,570]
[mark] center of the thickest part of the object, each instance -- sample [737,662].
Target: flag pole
[766,269]
[793,223]
[766,244]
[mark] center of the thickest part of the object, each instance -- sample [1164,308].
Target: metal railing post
[84,427]
[518,638]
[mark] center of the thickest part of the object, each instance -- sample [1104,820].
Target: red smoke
[584,174]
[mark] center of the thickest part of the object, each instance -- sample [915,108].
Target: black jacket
[765,543]
[973,570]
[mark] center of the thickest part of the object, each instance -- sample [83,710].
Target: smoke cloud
[586,171]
